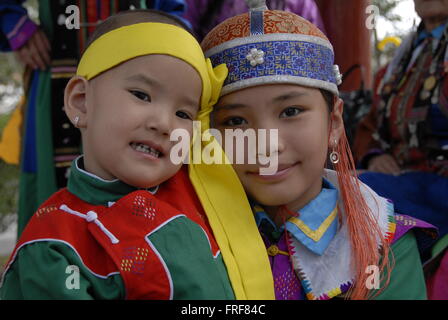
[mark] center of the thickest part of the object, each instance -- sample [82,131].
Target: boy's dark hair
[129,17]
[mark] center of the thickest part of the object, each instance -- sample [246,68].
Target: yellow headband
[126,43]
[217,186]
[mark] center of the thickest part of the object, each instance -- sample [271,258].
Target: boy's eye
[235,121]
[290,112]
[183,115]
[141,95]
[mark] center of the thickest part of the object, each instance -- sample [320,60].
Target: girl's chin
[274,200]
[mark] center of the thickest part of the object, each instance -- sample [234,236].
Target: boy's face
[303,121]
[131,111]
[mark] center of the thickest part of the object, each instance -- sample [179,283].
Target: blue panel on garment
[29,157]
[419,194]
[313,215]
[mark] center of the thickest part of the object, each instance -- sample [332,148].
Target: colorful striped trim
[391,225]
[315,235]
[344,287]
[17,27]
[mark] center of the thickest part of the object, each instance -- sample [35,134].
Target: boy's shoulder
[52,225]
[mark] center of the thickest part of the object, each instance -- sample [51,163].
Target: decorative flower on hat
[255,57]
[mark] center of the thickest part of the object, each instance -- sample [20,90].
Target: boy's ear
[75,101]
[337,121]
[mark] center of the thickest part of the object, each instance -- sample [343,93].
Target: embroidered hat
[267,47]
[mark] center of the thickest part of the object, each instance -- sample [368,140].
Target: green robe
[44,269]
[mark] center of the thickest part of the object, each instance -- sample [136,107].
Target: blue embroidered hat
[268,47]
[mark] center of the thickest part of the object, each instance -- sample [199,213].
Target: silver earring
[334,155]
[76,120]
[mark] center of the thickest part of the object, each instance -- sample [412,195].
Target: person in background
[403,141]
[204,15]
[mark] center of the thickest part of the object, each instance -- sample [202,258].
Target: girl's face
[305,128]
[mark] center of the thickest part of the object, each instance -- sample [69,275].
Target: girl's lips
[282,171]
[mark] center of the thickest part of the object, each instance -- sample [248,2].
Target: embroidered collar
[316,224]
[95,190]
[330,274]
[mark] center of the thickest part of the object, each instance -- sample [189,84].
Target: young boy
[129,224]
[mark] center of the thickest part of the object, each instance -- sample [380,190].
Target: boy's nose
[160,121]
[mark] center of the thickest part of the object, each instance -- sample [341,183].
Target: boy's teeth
[145,149]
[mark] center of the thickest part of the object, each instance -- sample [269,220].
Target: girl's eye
[235,121]
[183,115]
[141,95]
[290,112]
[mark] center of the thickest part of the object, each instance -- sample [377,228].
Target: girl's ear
[337,121]
[75,101]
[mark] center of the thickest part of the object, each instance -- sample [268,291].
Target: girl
[327,234]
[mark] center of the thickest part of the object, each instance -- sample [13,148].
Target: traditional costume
[409,120]
[168,250]
[311,259]
[124,242]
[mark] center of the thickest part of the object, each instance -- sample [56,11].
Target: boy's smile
[302,118]
[131,111]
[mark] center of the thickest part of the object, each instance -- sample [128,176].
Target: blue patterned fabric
[291,58]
